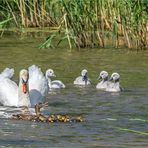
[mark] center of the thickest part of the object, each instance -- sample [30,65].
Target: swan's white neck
[49,81]
[23,98]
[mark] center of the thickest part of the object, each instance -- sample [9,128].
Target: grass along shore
[83,23]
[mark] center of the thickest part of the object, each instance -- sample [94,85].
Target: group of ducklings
[38,117]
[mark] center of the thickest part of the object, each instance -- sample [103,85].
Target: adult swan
[10,93]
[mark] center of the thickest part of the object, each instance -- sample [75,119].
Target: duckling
[22,117]
[52,118]
[41,118]
[39,106]
[59,117]
[77,119]
[67,118]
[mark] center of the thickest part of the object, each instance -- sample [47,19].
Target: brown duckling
[77,119]
[41,118]
[39,106]
[22,117]
[51,118]
[26,115]
[59,117]
[67,118]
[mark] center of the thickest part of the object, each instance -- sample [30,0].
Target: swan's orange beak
[24,88]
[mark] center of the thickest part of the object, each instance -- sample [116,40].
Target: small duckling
[51,118]
[59,117]
[77,119]
[67,118]
[22,117]
[41,118]
[39,106]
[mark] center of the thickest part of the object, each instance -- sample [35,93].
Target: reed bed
[85,23]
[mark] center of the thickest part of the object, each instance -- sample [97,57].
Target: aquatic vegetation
[83,23]
[133,131]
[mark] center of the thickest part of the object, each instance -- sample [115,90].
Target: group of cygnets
[107,84]
[34,86]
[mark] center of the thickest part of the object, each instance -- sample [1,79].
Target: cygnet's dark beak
[85,78]
[99,78]
[111,79]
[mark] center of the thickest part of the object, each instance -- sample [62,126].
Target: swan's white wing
[37,82]
[8,92]
[7,73]
[57,84]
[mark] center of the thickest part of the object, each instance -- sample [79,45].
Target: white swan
[38,85]
[10,93]
[83,79]
[115,85]
[55,84]
[104,83]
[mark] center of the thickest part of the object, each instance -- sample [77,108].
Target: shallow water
[107,116]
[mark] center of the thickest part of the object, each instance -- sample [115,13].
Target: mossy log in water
[42,118]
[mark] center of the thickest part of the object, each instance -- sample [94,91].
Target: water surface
[105,114]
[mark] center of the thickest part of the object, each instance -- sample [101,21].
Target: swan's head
[115,77]
[84,74]
[50,73]
[103,75]
[24,79]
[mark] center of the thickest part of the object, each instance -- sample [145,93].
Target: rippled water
[110,119]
